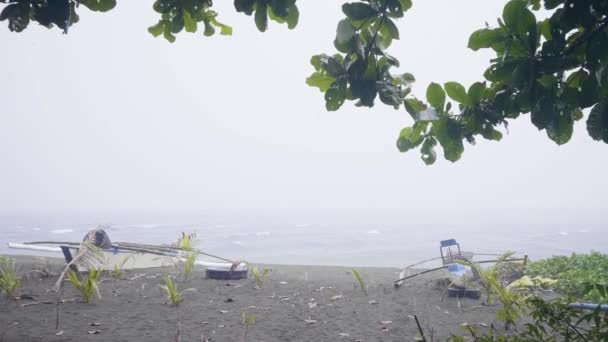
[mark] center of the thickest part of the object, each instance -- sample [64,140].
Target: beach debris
[310,321]
[220,325]
[312,305]
[13,324]
[26,296]
[384,329]
[94,332]
[372,302]
[95,324]
[411,316]
[59,333]
[228,300]
[337,297]
[204,322]
[224,311]
[483,324]
[386,322]
[283,283]
[343,334]
[284,298]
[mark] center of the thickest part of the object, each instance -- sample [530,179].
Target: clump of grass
[360,281]
[248,321]
[259,276]
[88,286]
[9,281]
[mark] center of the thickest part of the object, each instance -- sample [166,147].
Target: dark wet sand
[135,308]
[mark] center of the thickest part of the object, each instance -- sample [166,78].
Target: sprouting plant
[248,321]
[172,292]
[360,281]
[9,281]
[186,242]
[88,256]
[118,271]
[259,276]
[88,285]
[189,264]
[176,298]
[512,303]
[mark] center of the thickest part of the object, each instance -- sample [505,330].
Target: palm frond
[88,256]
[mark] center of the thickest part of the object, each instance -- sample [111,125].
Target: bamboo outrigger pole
[142,248]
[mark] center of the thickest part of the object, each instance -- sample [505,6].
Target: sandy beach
[296,303]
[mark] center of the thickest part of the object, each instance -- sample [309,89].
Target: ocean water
[315,241]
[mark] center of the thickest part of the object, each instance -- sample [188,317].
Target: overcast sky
[109,118]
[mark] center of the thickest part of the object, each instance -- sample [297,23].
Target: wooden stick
[419,328]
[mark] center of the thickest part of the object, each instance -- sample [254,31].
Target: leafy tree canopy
[551,69]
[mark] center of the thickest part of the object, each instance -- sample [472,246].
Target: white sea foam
[237,242]
[262,233]
[373,231]
[62,231]
[563,233]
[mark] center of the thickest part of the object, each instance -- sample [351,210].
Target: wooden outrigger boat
[127,255]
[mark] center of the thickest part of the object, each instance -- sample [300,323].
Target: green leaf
[320,80]
[189,23]
[157,29]
[409,138]
[427,151]
[457,93]
[261,16]
[335,96]
[543,112]
[486,38]
[358,10]
[245,6]
[391,28]
[597,123]
[345,31]
[435,96]
[209,29]
[518,18]
[292,17]
[98,5]
[405,4]
[476,91]
[225,30]
[389,94]
[560,128]
[413,107]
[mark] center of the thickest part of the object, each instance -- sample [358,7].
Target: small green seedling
[189,264]
[88,286]
[248,321]
[173,294]
[9,281]
[360,281]
[118,271]
[259,276]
